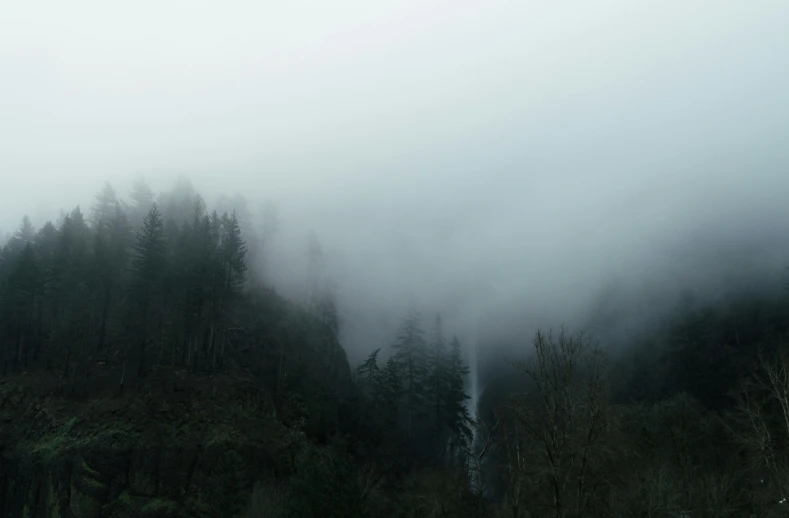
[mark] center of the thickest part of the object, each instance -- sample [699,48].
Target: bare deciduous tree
[759,422]
[556,434]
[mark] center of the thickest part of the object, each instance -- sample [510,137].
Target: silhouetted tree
[148,265]
[411,358]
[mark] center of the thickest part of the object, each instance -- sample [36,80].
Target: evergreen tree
[459,420]
[24,235]
[69,281]
[233,252]
[23,290]
[46,246]
[391,391]
[113,237]
[104,209]
[142,201]
[45,240]
[26,231]
[369,375]
[148,266]
[411,359]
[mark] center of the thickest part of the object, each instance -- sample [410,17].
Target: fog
[503,163]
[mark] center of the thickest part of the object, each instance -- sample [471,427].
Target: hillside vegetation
[147,371]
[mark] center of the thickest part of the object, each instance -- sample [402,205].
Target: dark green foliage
[417,403]
[411,359]
[232,253]
[168,281]
[703,349]
[133,280]
[147,270]
[458,418]
[438,382]
[369,377]
[326,485]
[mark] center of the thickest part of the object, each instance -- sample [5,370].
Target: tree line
[420,391]
[126,283]
[690,422]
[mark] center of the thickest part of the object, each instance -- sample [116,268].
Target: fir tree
[233,252]
[142,201]
[104,209]
[369,375]
[438,380]
[390,391]
[459,420]
[113,237]
[25,287]
[148,266]
[411,359]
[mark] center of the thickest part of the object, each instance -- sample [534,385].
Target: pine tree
[70,285]
[390,391]
[26,232]
[459,420]
[369,375]
[438,380]
[68,292]
[142,201]
[46,246]
[411,359]
[113,237]
[104,209]
[233,252]
[24,235]
[148,266]
[24,288]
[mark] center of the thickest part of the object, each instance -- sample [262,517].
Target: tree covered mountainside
[143,371]
[146,370]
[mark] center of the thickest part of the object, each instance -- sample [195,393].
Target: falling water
[473,405]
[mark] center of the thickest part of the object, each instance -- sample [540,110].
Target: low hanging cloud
[504,164]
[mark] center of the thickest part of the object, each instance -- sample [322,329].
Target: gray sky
[465,154]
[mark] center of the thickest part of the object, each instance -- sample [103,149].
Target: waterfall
[473,403]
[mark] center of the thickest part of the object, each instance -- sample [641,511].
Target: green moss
[50,445]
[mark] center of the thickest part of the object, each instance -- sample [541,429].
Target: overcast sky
[440,149]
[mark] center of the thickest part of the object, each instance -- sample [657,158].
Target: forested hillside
[136,328]
[148,371]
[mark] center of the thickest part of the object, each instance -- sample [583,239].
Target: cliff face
[195,448]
